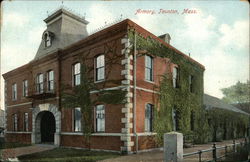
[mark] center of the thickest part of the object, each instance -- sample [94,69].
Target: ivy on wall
[226,124]
[183,100]
[80,95]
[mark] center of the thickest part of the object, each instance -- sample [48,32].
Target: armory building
[34,113]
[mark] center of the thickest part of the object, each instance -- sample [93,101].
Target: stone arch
[36,121]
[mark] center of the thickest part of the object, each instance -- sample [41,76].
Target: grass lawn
[12,145]
[67,155]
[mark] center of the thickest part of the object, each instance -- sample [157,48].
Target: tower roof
[63,28]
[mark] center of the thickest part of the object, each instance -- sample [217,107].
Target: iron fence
[228,149]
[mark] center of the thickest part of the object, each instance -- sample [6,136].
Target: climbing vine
[181,98]
[88,94]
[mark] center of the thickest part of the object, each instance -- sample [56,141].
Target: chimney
[63,28]
[165,37]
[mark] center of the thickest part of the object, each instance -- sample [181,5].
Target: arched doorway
[46,124]
[47,127]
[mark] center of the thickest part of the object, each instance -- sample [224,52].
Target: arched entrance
[48,127]
[46,124]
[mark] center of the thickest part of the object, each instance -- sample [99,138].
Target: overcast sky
[217,35]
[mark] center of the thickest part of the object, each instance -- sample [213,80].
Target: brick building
[33,91]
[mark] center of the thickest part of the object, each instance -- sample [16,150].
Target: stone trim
[12,132]
[5,106]
[93,134]
[111,88]
[146,90]
[127,109]
[36,118]
[16,105]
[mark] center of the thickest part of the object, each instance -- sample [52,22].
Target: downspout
[134,96]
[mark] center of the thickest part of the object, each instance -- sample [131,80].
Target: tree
[82,95]
[238,93]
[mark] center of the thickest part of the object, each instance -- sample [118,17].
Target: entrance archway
[46,124]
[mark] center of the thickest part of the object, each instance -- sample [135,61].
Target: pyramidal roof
[63,28]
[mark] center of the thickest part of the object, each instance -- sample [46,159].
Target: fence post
[225,150]
[200,155]
[173,147]
[214,152]
[234,146]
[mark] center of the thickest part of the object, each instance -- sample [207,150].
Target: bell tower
[63,28]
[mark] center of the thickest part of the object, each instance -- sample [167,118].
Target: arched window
[76,74]
[100,68]
[176,77]
[47,38]
[77,119]
[148,68]
[149,118]
[175,119]
[14,91]
[100,118]
[25,88]
[39,83]
[50,80]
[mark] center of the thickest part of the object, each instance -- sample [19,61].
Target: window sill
[146,134]
[99,81]
[152,82]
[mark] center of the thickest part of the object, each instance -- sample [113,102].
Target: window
[39,83]
[47,39]
[25,88]
[100,68]
[51,80]
[76,74]
[100,118]
[176,76]
[26,122]
[148,68]
[149,118]
[192,121]
[77,119]
[191,82]
[175,118]
[14,91]
[15,122]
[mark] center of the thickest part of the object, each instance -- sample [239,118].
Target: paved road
[15,152]
[157,156]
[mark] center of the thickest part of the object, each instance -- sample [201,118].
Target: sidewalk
[15,152]
[157,156]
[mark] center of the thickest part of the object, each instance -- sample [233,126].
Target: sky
[215,33]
